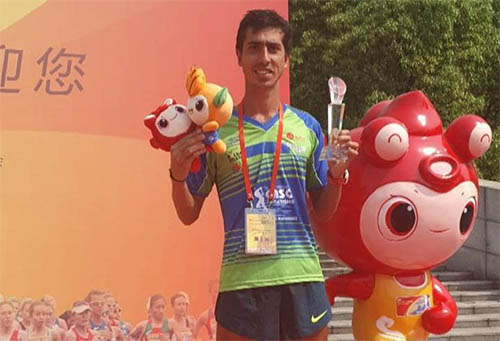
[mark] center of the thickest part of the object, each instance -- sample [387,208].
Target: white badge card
[260,231]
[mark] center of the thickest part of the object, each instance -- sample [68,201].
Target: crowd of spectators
[98,317]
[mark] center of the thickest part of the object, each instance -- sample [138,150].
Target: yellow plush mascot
[209,106]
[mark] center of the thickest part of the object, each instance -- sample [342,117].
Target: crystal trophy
[333,152]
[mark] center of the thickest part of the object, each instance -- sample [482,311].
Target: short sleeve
[201,182]
[316,168]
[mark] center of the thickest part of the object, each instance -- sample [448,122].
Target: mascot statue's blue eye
[163,123]
[180,109]
[199,105]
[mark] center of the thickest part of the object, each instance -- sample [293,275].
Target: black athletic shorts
[275,313]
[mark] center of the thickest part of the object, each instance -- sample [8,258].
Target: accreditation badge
[260,231]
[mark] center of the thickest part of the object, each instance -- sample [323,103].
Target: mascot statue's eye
[467,216]
[400,218]
[163,123]
[199,105]
[397,218]
[180,109]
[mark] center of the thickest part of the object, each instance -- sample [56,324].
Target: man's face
[82,320]
[97,303]
[6,315]
[180,306]
[262,57]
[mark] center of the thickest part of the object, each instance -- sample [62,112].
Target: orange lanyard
[244,155]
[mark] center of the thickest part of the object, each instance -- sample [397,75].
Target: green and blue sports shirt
[300,170]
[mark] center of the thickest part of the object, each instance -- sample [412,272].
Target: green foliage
[449,49]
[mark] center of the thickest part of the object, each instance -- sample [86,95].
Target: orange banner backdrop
[84,200]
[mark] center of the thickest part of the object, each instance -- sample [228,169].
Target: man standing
[271,283]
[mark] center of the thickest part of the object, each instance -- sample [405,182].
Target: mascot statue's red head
[410,204]
[168,124]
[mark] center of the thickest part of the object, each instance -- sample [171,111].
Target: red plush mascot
[168,124]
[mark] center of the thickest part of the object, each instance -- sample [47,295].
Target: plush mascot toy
[210,106]
[410,204]
[169,123]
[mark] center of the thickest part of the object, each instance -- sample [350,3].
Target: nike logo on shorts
[315,319]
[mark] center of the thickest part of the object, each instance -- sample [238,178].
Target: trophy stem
[335,120]
[333,151]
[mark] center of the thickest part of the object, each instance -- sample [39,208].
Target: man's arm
[326,200]
[187,206]
[182,154]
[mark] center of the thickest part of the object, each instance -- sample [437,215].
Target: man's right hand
[184,151]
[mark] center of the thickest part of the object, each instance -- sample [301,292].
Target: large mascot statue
[410,204]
